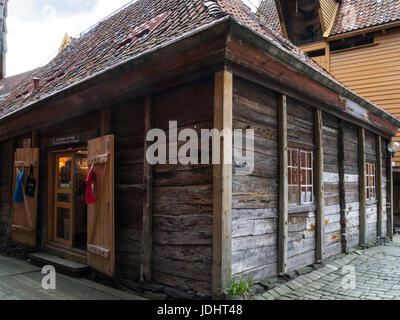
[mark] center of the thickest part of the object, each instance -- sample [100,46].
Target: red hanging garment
[89,195]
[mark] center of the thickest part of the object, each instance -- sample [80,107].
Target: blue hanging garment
[19,194]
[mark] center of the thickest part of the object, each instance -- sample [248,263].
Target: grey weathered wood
[319,186]
[145,266]
[389,200]
[342,190]
[283,187]
[379,186]
[362,185]
[222,187]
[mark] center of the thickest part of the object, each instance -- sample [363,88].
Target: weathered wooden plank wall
[372,205]
[129,150]
[301,242]
[182,195]
[255,197]
[6,174]
[331,181]
[384,187]
[352,213]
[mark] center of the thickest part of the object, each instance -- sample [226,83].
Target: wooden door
[24,215]
[100,221]
[64,210]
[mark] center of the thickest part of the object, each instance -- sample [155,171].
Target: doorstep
[61,264]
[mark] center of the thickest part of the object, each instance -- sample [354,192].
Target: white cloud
[252,4]
[33,42]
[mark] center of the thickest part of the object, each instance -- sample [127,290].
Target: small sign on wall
[65,140]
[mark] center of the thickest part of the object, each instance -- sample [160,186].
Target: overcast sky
[36,27]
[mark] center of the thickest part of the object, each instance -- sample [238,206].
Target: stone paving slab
[377,277]
[20,280]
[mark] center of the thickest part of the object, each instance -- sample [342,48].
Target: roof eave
[289,59]
[337,36]
[123,65]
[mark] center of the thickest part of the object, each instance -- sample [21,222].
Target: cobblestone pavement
[377,277]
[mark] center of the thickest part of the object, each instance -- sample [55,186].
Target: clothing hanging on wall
[19,193]
[89,195]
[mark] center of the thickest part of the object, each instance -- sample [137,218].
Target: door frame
[51,240]
[57,204]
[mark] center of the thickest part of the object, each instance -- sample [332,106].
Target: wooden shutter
[24,215]
[101,240]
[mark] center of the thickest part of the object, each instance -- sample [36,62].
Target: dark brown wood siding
[6,173]
[129,159]
[183,198]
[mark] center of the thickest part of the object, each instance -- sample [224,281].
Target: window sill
[301,208]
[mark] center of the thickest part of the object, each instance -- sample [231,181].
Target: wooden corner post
[379,185]
[362,185]
[283,187]
[145,265]
[222,186]
[319,186]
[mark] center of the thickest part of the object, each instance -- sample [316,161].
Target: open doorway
[67,225]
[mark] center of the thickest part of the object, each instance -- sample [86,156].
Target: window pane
[295,156]
[293,195]
[303,177]
[295,175]
[303,162]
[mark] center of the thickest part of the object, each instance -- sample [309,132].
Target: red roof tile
[111,41]
[352,14]
[269,14]
[360,14]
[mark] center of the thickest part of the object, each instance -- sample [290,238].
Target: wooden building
[322,177]
[357,41]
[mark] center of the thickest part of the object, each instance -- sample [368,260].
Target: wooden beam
[283,187]
[379,186]
[342,189]
[389,200]
[106,122]
[362,185]
[222,187]
[35,139]
[319,186]
[145,265]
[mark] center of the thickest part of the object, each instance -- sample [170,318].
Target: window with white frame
[370,175]
[300,176]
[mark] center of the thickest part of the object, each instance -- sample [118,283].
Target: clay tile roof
[360,14]
[269,14]
[136,28]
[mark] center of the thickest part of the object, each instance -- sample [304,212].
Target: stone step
[61,264]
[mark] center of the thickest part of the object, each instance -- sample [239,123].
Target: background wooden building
[358,41]
[321,182]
